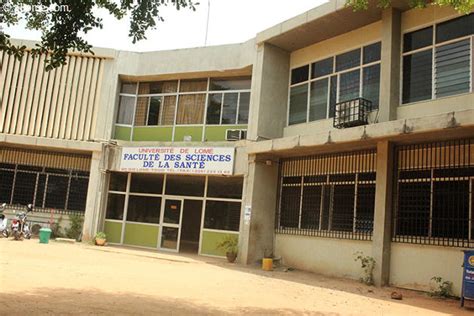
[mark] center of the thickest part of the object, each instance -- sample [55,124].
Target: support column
[390,65]
[381,240]
[261,196]
[269,99]
[94,196]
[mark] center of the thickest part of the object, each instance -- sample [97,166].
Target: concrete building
[330,134]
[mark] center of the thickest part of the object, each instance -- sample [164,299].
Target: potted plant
[100,239]
[230,244]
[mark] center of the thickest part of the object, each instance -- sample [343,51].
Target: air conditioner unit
[351,113]
[235,134]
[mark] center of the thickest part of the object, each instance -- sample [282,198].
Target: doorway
[191,226]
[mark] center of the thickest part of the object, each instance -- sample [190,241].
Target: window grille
[433,195]
[328,195]
[63,190]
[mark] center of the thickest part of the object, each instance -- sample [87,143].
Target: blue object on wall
[468,277]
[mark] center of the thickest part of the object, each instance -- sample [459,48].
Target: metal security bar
[352,113]
[63,190]
[433,195]
[328,195]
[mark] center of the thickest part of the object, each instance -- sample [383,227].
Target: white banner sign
[194,160]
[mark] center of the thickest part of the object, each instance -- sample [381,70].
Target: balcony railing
[352,113]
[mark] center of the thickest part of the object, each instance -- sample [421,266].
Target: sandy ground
[82,279]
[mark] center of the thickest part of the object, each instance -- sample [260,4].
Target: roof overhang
[323,22]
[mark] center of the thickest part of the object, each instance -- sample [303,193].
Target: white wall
[413,266]
[328,256]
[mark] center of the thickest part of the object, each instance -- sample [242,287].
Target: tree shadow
[64,301]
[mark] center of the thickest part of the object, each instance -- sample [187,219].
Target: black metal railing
[350,113]
[433,193]
[327,196]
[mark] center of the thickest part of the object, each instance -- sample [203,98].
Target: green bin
[44,235]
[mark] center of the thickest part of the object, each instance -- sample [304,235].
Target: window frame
[177,94]
[335,73]
[433,47]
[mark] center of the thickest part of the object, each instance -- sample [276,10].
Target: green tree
[63,23]
[462,6]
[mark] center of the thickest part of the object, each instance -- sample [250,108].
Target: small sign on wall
[247,214]
[189,160]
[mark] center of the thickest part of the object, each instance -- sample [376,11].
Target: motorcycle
[3,222]
[19,227]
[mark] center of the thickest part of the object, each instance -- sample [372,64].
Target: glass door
[171,224]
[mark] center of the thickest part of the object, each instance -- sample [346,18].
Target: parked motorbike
[19,227]
[3,222]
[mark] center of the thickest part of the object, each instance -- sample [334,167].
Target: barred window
[328,196]
[45,188]
[433,193]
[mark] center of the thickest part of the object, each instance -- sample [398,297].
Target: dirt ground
[80,279]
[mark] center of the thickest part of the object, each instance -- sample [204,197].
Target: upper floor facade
[290,81]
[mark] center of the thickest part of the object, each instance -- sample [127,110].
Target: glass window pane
[39,199]
[298,104]
[125,110]
[169,237]
[322,68]
[157,87]
[299,74]
[185,185]
[141,111]
[371,85]
[144,209]
[24,190]
[225,187]
[130,88]
[172,213]
[115,204]
[146,183]
[372,52]
[214,108]
[6,185]
[290,206]
[154,111]
[169,105]
[348,60]
[240,83]
[452,68]
[222,215]
[332,95]
[191,109]
[193,85]
[56,191]
[318,102]
[455,28]
[349,84]
[418,39]
[229,109]
[417,76]
[77,194]
[244,107]
[118,182]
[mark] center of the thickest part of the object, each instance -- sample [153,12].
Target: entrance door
[171,224]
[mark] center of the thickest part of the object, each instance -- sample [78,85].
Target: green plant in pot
[100,239]
[230,244]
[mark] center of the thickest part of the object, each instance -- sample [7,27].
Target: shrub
[75,229]
[368,265]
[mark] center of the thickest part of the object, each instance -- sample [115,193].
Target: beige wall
[417,18]
[413,266]
[60,104]
[328,256]
[342,43]
[430,107]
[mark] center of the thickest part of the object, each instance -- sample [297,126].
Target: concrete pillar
[390,65]
[94,196]
[269,99]
[261,196]
[382,235]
